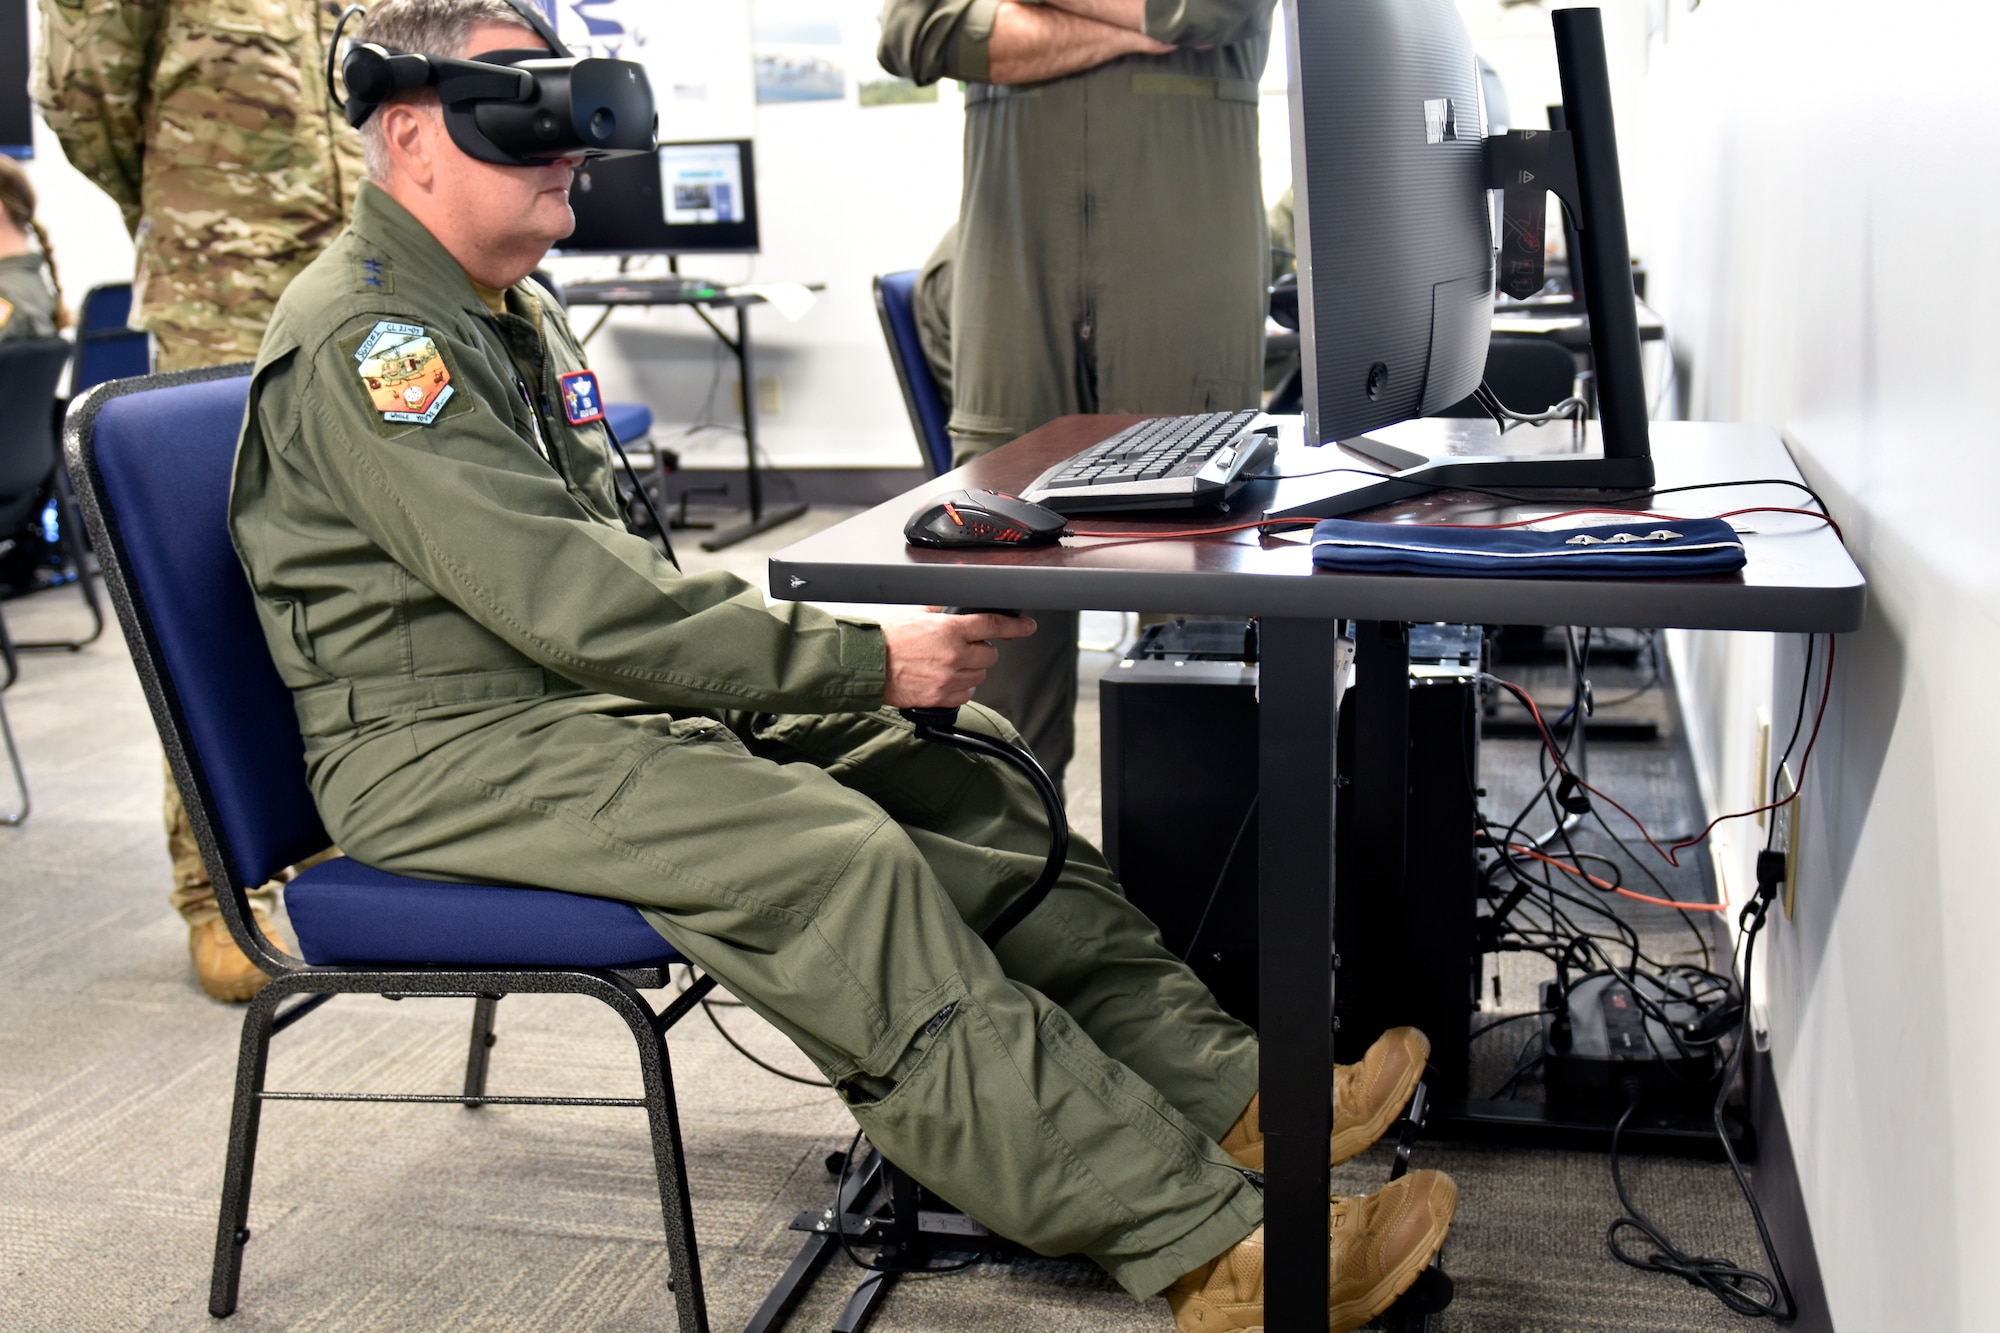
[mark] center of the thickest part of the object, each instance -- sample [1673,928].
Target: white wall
[1820,190]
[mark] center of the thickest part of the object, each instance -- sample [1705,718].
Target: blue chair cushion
[349,914]
[628,421]
[161,459]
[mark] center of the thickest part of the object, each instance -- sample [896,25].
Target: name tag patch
[404,373]
[583,401]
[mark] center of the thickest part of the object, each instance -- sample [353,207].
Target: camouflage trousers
[193,895]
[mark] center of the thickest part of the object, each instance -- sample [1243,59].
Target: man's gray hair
[425,28]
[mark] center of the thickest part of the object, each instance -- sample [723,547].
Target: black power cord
[1744,1290]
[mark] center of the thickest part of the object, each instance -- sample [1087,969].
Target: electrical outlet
[1785,832]
[1763,769]
[770,396]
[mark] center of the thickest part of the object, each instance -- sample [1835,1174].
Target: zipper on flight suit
[535,423]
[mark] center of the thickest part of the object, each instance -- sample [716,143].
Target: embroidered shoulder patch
[373,275]
[583,402]
[404,373]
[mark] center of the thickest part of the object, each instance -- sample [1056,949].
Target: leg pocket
[661,736]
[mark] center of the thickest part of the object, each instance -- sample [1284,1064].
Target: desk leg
[753,480]
[1304,665]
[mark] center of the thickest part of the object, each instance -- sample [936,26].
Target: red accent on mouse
[983,518]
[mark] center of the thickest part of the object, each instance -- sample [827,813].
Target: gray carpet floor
[115,1075]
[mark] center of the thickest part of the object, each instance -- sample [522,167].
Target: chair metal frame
[13,673]
[313,985]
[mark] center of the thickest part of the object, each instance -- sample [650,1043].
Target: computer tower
[1178,719]
[1179,728]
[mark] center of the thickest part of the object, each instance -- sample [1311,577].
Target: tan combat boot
[225,971]
[1367,1098]
[1378,1245]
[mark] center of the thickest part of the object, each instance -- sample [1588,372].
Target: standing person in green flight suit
[497,681]
[1111,250]
[207,123]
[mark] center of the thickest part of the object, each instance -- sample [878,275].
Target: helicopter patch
[404,373]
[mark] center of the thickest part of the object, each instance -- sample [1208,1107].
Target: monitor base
[1471,456]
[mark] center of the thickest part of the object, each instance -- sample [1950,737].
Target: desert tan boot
[1367,1098]
[225,971]
[1378,1245]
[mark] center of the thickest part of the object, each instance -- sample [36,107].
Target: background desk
[642,292]
[1799,578]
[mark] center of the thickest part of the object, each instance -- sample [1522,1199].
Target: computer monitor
[1394,174]
[1395,243]
[687,199]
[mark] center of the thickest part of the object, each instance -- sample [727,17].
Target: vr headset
[514,108]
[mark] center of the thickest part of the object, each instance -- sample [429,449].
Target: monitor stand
[1416,458]
[1611,454]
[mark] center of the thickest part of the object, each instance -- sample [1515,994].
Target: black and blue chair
[31,468]
[895,304]
[152,460]
[105,348]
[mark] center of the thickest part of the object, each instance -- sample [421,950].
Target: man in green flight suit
[497,681]
[1111,249]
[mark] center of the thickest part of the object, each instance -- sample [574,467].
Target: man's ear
[409,132]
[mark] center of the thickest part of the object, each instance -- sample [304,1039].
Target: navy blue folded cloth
[1648,548]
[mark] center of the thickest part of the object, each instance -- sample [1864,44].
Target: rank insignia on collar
[404,373]
[583,401]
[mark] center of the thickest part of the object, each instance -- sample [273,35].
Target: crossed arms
[1029,41]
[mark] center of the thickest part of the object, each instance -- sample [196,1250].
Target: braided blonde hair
[17,196]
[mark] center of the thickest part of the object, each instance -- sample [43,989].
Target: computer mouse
[983,518]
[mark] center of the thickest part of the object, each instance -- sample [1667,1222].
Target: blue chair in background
[31,481]
[895,303]
[152,460]
[105,307]
[105,348]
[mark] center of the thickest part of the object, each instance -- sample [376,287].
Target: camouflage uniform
[27,306]
[207,122]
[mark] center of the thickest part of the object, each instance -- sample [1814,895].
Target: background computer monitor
[686,199]
[1395,238]
[17,112]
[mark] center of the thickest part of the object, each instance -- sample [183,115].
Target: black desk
[1799,579]
[701,299]
[1563,321]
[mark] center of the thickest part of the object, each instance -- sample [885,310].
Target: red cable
[1668,854]
[1609,887]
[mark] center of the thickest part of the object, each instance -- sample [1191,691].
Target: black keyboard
[1189,462]
[667,290]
